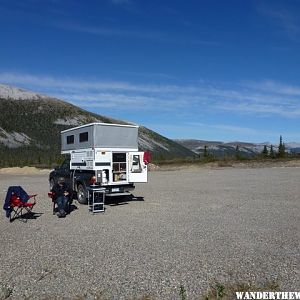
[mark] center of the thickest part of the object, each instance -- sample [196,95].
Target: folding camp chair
[16,203]
[68,206]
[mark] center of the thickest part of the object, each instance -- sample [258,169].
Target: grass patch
[182,293]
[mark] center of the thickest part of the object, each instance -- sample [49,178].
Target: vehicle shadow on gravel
[122,200]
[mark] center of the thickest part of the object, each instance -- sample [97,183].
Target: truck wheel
[81,194]
[51,183]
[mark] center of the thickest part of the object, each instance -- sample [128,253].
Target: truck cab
[78,182]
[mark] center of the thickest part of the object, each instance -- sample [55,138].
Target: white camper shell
[111,150]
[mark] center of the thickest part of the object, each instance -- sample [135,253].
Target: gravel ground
[191,228]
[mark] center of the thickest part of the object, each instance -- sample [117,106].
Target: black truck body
[80,180]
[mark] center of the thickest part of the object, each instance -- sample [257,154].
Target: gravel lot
[191,228]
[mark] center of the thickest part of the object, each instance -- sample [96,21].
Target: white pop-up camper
[108,152]
[109,149]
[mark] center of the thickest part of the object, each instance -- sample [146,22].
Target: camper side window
[70,139]
[83,137]
[136,164]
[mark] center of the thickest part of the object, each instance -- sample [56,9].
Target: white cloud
[220,132]
[226,127]
[262,109]
[285,19]
[157,36]
[255,98]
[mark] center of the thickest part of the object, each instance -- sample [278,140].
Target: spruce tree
[205,152]
[281,148]
[265,151]
[237,152]
[272,154]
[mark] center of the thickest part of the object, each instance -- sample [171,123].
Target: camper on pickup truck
[104,155]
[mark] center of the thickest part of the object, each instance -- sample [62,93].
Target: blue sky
[212,70]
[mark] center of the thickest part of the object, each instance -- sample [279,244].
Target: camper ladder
[96,199]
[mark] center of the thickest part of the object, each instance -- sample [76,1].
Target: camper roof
[102,124]
[100,135]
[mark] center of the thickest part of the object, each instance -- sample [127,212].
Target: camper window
[83,137]
[136,164]
[119,157]
[70,139]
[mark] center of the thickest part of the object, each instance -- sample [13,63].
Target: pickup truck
[79,180]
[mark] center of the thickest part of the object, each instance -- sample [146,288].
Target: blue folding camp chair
[16,203]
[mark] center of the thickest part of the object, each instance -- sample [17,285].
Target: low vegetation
[224,161]
[268,154]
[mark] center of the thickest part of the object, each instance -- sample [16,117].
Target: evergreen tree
[205,152]
[237,152]
[272,154]
[265,151]
[281,148]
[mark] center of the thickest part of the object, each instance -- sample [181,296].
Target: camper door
[137,168]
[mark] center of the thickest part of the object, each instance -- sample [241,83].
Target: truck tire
[81,194]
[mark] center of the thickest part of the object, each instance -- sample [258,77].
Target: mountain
[30,126]
[221,149]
